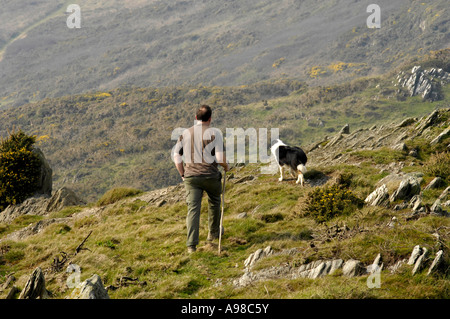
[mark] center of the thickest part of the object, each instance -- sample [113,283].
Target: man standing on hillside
[203,150]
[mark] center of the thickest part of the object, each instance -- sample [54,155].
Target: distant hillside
[211,43]
[122,137]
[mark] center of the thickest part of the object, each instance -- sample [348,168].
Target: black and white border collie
[291,157]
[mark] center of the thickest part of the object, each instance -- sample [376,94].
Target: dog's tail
[302,168]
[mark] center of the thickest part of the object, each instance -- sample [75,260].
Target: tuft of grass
[381,156]
[114,195]
[66,212]
[438,165]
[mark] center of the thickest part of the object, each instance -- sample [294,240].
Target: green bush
[19,169]
[326,203]
[117,194]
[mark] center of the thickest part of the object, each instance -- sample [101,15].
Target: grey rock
[437,209]
[241,215]
[400,147]
[91,288]
[428,121]
[397,266]
[436,262]
[41,205]
[441,136]
[414,153]
[353,268]
[63,197]
[257,255]
[345,129]
[244,179]
[419,262]
[35,286]
[417,251]
[334,140]
[435,183]
[393,222]
[444,194]
[379,197]
[12,292]
[407,188]
[35,205]
[407,122]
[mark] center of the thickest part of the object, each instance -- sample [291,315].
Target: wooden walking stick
[221,215]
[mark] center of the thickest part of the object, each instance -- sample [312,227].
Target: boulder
[428,121]
[441,136]
[63,197]
[353,268]
[379,197]
[35,286]
[91,288]
[41,205]
[257,255]
[436,208]
[345,129]
[35,205]
[436,262]
[407,122]
[435,183]
[444,194]
[415,203]
[409,187]
[400,147]
[417,251]
[419,262]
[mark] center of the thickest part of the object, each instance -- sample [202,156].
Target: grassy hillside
[136,239]
[101,140]
[211,43]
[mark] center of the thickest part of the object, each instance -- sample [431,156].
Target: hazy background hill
[213,42]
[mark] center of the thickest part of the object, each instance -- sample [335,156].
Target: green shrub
[438,165]
[19,169]
[116,194]
[325,203]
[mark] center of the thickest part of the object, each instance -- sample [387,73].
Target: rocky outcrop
[257,255]
[312,270]
[436,262]
[409,187]
[379,197]
[41,205]
[35,286]
[426,83]
[63,197]
[339,148]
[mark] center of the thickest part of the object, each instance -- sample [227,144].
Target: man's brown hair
[204,113]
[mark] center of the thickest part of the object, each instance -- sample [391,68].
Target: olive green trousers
[195,186]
